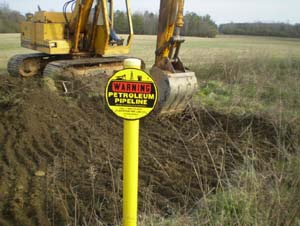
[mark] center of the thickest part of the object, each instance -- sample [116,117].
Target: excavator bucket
[176,84]
[175,90]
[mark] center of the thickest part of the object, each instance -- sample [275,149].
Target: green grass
[9,46]
[247,76]
[197,51]
[255,85]
[240,74]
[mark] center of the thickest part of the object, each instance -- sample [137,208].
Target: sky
[221,11]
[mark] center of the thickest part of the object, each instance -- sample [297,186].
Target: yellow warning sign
[131,94]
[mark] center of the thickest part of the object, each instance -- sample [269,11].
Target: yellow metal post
[130,174]
[130,164]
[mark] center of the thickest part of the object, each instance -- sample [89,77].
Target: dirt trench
[61,157]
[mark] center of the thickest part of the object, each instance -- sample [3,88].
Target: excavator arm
[86,31]
[170,21]
[79,20]
[176,84]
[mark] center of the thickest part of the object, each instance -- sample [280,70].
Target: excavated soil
[61,156]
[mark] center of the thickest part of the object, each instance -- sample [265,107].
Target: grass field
[257,78]
[246,76]
[197,51]
[240,74]
[194,52]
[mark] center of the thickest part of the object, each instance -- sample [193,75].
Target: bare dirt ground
[61,157]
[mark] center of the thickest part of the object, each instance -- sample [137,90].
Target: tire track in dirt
[5,186]
[18,181]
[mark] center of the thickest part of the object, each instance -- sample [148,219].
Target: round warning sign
[131,94]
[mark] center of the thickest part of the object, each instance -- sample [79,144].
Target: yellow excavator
[79,40]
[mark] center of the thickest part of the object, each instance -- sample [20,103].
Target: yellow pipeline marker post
[130,172]
[131,94]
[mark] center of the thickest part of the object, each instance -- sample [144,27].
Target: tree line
[261,29]
[143,23]
[9,19]
[146,24]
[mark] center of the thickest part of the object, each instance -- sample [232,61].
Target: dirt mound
[61,157]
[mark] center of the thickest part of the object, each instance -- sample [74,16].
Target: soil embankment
[61,156]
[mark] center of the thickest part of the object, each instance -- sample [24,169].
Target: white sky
[221,11]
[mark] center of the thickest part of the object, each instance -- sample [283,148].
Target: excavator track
[25,65]
[28,65]
[84,67]
[66,72]
[75,74]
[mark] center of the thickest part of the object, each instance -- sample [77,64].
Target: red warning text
[131,87]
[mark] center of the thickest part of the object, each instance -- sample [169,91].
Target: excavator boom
[176,84]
